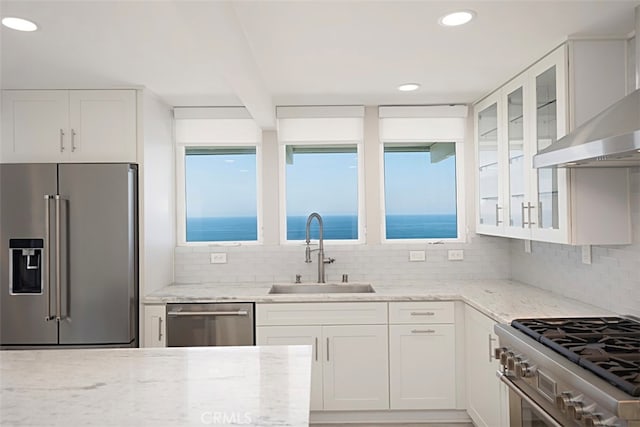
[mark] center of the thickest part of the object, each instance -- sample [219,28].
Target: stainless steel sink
[329,288]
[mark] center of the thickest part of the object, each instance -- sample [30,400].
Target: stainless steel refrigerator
[68,255]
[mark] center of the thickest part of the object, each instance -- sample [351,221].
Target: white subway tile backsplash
[485,258]
[612,281]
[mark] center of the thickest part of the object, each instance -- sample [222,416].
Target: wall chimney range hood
[610,139]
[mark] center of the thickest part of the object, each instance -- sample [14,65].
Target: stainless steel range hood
[610,139]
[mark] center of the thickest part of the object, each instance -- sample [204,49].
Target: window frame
[282,178]
[460,195]
[181,207]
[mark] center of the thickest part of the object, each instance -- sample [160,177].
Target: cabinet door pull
[498,222]
[523,209]
[422,331]
[73,140]
[529,207]
[491,352]
[61,140]
[316,349]
[159,329]
[327,349]
[422,313]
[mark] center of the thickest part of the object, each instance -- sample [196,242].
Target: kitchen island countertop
[502,300]
[266,386]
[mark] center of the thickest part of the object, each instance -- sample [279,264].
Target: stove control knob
[524,370]
[504,356]
[497,352]
[566,399]
[596,420]
[579,410]
[512,362]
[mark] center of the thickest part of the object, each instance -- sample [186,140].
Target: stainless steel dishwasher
[193,325]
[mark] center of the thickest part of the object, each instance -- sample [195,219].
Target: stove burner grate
[606,346]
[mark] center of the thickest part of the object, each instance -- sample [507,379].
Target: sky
[415,186]
[221,185]
[225,185]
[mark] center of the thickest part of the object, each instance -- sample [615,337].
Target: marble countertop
[266,386]
[502,300]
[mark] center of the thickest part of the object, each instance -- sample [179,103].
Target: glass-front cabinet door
[488,150]
[547,214]
[515,95]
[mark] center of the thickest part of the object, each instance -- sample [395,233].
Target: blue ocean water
[422,226]
[338,227]
[222,229]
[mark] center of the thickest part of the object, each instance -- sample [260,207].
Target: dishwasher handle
[208,313]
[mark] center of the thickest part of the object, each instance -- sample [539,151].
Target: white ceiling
[266,53]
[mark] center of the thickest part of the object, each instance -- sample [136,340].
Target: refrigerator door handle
[58,272]
[47,240]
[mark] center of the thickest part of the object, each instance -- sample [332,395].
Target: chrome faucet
[321,260]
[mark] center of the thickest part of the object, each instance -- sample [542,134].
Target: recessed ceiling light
[19,24]
[454,19]
[408,87]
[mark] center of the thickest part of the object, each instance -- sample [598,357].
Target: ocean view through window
[221,194]
[322,179]
[420,191]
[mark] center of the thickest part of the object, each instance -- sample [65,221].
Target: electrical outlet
[415,256]
[586,254]
[455,254]
[219,258]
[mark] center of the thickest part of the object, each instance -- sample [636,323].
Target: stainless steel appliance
[610,139]
[215,324]
[68,255]
[572,371]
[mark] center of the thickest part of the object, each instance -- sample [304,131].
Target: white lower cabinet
[299,335]
[350,360]
[422,348]
[355,374]
[484,401]
[422,366]
[155,326]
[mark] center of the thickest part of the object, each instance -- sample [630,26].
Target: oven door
[524,411]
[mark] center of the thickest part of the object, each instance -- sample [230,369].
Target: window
[220,190]
[422,172]
[320,171]
[218,152]
[322,179]
[420,191]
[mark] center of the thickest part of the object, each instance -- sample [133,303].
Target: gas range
[572,371]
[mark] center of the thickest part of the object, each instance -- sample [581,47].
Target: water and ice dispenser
[26,268]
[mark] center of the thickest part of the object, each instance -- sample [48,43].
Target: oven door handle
[539,410]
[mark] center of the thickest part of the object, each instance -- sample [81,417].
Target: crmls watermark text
[225,418]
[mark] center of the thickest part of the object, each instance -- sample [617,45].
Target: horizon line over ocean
[336,227]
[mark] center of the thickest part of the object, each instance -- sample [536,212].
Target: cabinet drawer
[421,312]
[356,313]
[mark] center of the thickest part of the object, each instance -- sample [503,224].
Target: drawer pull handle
[422,313]
[422,331]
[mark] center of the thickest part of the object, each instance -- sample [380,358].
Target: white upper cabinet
[103,125]
[34,125]
[490,159]
[530,113]
[68,126]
